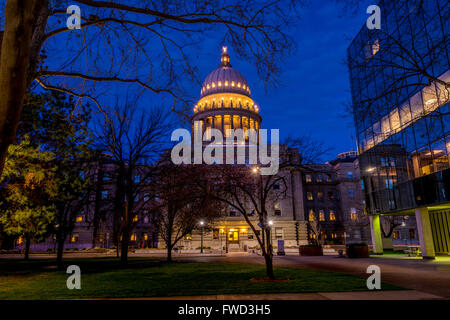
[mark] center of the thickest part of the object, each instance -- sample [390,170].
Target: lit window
[309,196]
[320,195]
[353,214]
[133,237]
[226,83]
[74,237]
[219,84]
[104,195]
[188,237]
[312,216]
[396,234]
[308,178]
[332,216]
[239,84]
[135,218]
[232,83]
[145,236]
[277,210]
[321,215]
[79,219]
[319,178]
[213,85]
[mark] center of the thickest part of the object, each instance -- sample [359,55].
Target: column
[375,230]
[425,234]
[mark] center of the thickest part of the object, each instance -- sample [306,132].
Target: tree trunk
[20,21]
[269,266]
[169,253]
[27,247]
[59,253]
[124,249]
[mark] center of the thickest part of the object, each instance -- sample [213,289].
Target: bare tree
[140,42]
[182,201]
[311,150]
[248,192]
[134,141]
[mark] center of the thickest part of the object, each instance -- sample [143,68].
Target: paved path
[427,276]
[365,295]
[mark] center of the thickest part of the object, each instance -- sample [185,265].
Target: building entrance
[233,236]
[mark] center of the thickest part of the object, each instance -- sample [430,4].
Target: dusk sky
[314,84]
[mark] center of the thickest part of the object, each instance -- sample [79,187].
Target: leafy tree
[58,125]
[28,186]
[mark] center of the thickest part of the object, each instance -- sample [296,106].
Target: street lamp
[201,243]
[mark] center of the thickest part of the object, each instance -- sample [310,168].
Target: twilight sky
[314,83]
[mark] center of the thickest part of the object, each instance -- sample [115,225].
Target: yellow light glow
[231,230]
[244,230]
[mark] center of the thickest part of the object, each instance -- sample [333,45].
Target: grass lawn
[105,278]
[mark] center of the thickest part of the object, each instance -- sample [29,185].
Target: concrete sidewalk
[363,295]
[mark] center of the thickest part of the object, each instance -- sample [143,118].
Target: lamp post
[201,243]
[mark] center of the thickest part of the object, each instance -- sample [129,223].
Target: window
[276,186]
[233,213]
[351,193]
[319,178]
[412,233]
[321,215]
[330,196]
[81,175]
[279,233]
[277,210]
[145,219]
[332,216]
[329,178]
[353,214]
[74,237]
[145,236]
[215,234]
[79,219]
[135,218]
[133,237]
[320,195]
[396,234]
[137,179]
[188,237]
[350,175]
[146,197]
[312,216]
[309,196]
[106,177]
[308,178]
[104,195]
[333,235]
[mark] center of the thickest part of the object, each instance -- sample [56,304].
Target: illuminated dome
[226,102]
[225,79]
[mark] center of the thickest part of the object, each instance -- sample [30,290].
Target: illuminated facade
[402,124]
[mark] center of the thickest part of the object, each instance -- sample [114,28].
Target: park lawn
[105,278]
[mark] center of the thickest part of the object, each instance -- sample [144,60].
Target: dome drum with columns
[226,101]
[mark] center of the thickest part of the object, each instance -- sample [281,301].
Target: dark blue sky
[314,84]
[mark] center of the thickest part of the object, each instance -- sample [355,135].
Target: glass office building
[400,76]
